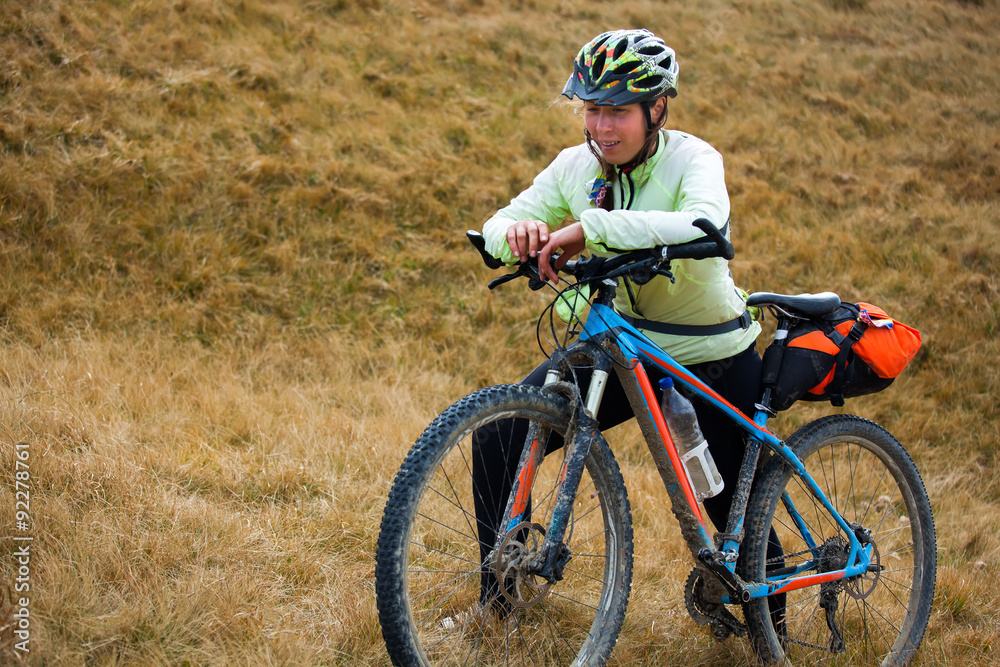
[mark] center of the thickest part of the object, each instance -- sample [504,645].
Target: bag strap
[836,388]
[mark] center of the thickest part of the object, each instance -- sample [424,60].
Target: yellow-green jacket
[683,181]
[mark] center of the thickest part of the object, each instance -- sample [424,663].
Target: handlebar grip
[713,244]
[694,250]
[726,250]
[479,242]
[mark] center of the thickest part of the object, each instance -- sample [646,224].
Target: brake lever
[497,282]
[644,274]
[530,271]
[664,270]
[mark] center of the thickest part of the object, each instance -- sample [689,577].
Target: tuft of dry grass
[234,288]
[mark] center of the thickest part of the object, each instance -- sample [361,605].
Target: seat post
[772,361]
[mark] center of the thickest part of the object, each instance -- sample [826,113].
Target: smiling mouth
[609,144]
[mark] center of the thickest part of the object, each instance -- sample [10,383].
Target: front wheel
[433,606]
[877,618]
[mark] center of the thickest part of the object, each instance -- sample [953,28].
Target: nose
[603,120]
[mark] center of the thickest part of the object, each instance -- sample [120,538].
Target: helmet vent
[598,65]
[648,82]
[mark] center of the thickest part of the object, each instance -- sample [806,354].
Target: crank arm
[715,561]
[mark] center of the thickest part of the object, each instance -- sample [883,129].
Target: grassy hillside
[234,285]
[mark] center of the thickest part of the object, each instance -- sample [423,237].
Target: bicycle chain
[692,598]
[800,642]
[783,556]
[710,616]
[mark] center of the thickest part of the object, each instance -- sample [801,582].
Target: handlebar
[641,264]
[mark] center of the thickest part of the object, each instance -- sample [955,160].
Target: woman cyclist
[632,184]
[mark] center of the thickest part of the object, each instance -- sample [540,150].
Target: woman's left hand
[570,240]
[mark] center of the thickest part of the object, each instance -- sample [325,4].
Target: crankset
[713,614]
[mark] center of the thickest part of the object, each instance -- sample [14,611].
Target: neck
[647,151]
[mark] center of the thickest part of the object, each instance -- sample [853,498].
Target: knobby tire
[872,481]
[428,557]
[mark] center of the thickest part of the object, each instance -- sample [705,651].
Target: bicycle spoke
[461,609]
[870,480]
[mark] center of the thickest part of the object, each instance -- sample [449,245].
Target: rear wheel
[428,563]
[878,618]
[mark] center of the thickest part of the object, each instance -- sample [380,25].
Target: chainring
[713,614]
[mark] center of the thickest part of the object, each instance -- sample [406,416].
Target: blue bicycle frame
[633,352]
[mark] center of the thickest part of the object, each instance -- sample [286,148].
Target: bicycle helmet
[622,67]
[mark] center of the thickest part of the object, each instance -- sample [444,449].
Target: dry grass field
[234,287]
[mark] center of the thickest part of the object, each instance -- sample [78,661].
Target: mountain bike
[856,573]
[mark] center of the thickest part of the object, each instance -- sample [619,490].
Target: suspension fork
[555,553]
[581,433]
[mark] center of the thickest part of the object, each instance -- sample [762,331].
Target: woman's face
[619,131]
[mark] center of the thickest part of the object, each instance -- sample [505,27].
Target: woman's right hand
[526,237]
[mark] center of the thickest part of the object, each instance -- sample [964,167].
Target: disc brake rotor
[863,585]
[518,587]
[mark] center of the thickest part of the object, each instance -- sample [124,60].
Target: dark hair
[609,171]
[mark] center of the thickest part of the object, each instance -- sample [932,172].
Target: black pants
[496,452]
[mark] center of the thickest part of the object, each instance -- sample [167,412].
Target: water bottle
[691,446]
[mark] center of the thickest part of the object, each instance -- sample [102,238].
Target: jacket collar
[642,173]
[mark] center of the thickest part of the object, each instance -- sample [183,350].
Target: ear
[659,109]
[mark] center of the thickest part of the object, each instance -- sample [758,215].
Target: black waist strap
[742,322]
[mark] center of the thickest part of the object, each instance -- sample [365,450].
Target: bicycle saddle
[807,305]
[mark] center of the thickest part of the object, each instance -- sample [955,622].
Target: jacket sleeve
[543,200]
[698,190]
